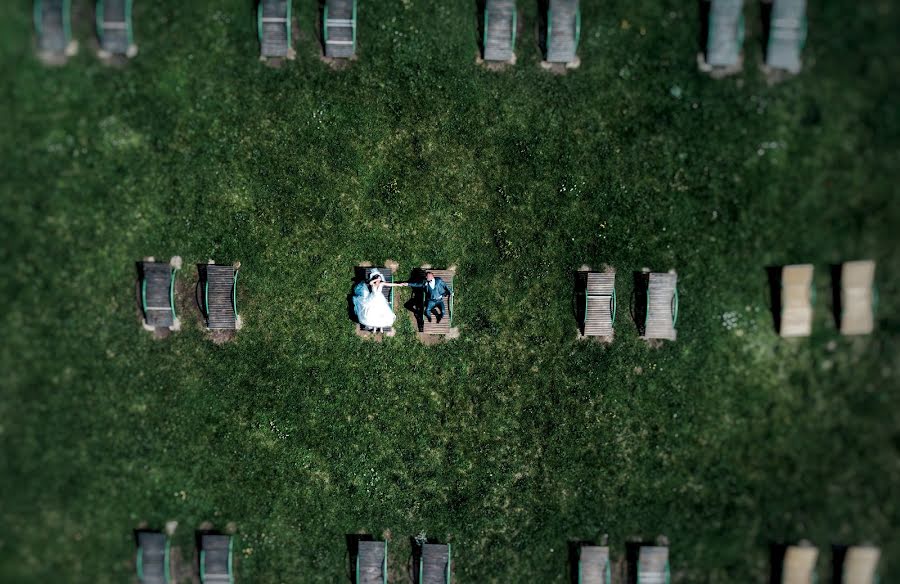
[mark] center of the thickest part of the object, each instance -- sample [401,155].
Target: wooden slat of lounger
[785,32]
[216,556]
[115,27]
[434,563]
[499,30]
[861,565]
[340,29]
[53,35]
[275,41]
[660,296]
[796,301]
[799,564]
[598,316]
[592,561]
[723,48]
[652,564]
[221,299]
[153,557]
[857,312]
[158,278]
[434,327]
[371,562]
[561,42]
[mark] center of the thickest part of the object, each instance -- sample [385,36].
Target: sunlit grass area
[515,438]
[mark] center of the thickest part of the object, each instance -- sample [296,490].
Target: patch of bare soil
[220,337]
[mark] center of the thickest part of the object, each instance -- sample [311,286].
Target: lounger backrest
[434,564]
[726,32]
[388,275]
[796,300]
[53,23]
[653,565]
[799,565]
[152,560]
[563,30]
[857,297]
[861,565]
[216,559]
[273,22]
[787,33]
[593,565]
[114,25]
[339,28]
[500,21]
[371,562]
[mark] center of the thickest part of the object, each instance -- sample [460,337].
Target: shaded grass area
[515,438]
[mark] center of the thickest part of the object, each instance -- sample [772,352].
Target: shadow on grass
[353,540]
[579,299]
[773,274]
[638,306]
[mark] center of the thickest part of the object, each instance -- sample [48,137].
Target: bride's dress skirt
[373,310]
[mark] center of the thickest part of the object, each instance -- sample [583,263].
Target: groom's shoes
[428,317]
[439,317]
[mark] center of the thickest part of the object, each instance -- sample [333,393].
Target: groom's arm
[415,284]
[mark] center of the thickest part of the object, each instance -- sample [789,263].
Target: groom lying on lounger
[434,290]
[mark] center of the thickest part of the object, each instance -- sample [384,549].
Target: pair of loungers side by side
[852,565]
[218,295]
[153,559]
[372,556]
[598,309]
[429,328]
[854,293]
[595,567]
[722,35]
[273,25]
[53,25]
[560,31]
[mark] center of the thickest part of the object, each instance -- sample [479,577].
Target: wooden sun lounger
[158,294]
[599,304]
[388,275]
[339,28]
[563,31]
[653,565]
[441,328]
[216,559]
[273,26]
[593,565]
[114,29]
[662,306]
[220,297]
[786,34]
[799,565]
[499,37]
[53,24]
[797,297]
[857,297]
[725,34]
[860,565]
[371,562]
[434,564]
[152,560]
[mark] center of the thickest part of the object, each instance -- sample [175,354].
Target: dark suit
[434,297]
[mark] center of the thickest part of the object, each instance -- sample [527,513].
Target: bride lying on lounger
[372,308]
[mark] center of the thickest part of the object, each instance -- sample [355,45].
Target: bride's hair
[374,275]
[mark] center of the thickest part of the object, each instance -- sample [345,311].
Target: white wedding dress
[372,308]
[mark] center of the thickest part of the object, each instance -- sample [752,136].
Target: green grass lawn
[515,438]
